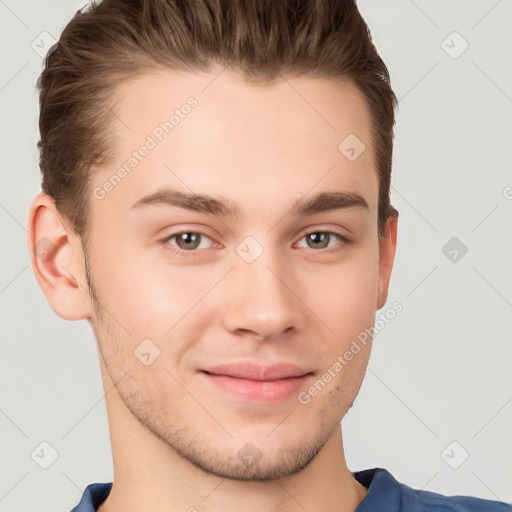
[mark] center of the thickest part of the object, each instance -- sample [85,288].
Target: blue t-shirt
[385,494]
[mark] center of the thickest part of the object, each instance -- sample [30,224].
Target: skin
[174,436]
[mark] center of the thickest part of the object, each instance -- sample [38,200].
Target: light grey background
[439,372]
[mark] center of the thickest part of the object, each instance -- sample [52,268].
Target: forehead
[217,133]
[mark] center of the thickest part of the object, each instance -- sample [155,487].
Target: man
[216,204]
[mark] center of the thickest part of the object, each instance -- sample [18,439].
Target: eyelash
[194,252]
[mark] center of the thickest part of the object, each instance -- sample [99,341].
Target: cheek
[344,297]
[150,298]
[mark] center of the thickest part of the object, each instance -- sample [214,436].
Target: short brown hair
[110,43]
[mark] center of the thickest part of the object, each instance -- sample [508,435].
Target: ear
[386,257]
[57,260]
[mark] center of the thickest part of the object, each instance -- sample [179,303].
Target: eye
[191,241]
[187,241]
[322,239]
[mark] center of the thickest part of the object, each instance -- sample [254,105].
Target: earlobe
[386,258]
[57,260]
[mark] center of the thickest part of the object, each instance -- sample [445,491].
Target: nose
[261,298]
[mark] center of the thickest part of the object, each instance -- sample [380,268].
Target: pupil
[187,239]
[322,237]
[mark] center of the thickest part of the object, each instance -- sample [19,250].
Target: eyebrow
[204,203]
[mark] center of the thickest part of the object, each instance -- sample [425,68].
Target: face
[276,263]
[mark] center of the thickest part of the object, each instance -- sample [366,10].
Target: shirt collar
[383,493]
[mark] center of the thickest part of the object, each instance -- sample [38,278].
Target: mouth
[258,383]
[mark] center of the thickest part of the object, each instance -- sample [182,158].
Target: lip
[256,372]
[251,382]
